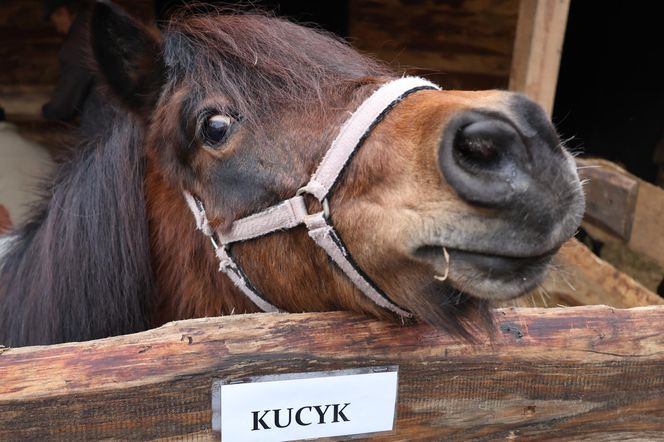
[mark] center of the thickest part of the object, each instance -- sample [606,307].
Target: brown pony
[239,109]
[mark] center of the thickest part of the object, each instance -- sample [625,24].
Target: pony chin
[444,307]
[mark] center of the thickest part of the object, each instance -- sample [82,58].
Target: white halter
[293,212]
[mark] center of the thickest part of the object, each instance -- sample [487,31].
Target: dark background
[610,95]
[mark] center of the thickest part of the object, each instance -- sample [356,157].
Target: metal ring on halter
[213,240]
[325,203]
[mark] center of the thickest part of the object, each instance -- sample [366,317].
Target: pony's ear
[128,55]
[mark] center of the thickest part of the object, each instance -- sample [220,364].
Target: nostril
[473,148]
[484,144]
[484,160]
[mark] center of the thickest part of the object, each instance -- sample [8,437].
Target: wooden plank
[610,199]
[24,103]
[30,44]
[537,49]
[461,40]
[647,235]
[647,231]
[578,277]
[587,372]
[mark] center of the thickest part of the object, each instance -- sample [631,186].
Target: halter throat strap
[293,212]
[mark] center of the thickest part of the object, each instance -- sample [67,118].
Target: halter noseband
[293,212]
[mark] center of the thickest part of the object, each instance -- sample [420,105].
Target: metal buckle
[201,208]
[326,205]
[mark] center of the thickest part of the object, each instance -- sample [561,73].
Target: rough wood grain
[648,229]
[23,102]
[588,372]
[537,49]
[468,42]
[647,234]
[578,277]
[610,199]
[29,50]
[30,44]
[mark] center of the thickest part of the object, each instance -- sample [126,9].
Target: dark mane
[81,268]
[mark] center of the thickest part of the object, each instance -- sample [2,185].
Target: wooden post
[566,374]
[537,49]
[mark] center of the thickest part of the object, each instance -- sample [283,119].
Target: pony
[455,199]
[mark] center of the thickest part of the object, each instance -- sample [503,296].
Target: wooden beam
[578,277]
[647,231]
[610,198]
[468,38]
[22,102]
[576,373]
[537,49]
[640,212]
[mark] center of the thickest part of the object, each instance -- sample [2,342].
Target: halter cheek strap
[293,212]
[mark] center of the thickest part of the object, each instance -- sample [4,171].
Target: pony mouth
[486,275]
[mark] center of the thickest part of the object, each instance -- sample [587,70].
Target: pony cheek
[374,243]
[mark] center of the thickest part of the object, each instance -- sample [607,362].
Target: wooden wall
[29,69]
[29,50]
[30,45]
[462,44]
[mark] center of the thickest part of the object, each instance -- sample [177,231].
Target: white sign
[306,405]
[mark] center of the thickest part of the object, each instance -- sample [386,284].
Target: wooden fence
[583,372]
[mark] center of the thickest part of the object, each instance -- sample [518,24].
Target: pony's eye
[215,129]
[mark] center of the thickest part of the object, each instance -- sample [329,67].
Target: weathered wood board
[537,49]
[640,213]
[587,372]
[460,44]
[30,44]
[610,198]
[578,277]
[468,44]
